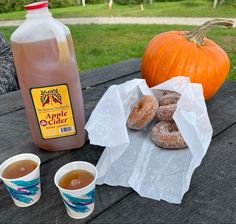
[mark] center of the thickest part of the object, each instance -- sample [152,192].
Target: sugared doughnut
[165,113]
[143,112]
[171,98]
[166,135]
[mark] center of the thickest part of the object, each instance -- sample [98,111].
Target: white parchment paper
[131,159]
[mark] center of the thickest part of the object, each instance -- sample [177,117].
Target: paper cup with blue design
[79,203]
[26,190]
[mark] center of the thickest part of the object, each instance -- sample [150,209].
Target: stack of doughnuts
[165,133]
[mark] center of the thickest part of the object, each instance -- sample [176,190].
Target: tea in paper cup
[21,177]
[79,202]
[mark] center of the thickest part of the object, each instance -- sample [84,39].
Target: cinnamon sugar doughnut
[171,98]
[143,112]
[166,135]
[165,113]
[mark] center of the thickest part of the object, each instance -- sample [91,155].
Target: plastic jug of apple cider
[46,68]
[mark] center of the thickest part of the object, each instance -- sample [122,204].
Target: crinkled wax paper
[131,159]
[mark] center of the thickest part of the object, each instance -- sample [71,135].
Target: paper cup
[79,203]
[25,191]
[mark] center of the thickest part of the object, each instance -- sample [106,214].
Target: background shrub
[61,3]
[127,2]
[16,5]
[230,2]
[226,2]
[11,5]
[95,1]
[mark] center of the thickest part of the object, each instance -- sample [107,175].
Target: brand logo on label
[43,123]
[50,97]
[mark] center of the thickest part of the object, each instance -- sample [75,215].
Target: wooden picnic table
[210,199]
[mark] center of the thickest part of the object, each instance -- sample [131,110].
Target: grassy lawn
[188,8]
[99,45]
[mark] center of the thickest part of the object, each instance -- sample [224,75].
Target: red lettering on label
[48,116]
[56,118]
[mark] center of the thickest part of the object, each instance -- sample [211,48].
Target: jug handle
[60,36]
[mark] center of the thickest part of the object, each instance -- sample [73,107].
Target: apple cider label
[53,110]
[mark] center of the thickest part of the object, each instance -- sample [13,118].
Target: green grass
[99,45]
[188,8]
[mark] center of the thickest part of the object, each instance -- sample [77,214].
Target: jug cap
[36,5]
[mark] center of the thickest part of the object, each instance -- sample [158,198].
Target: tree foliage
[16,5]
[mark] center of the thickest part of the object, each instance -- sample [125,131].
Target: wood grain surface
[212,193]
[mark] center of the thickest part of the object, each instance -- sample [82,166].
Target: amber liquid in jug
[51,91]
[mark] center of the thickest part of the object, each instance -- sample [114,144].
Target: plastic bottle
[49,81]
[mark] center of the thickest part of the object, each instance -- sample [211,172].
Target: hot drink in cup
[21,177]
[76,183]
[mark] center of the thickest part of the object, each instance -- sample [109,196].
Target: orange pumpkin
[190,54]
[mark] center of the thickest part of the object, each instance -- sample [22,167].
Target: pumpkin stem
[197,35]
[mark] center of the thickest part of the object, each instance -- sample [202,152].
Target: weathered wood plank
[12,101]
[211,198]
[221,108]
[110,72]
[50,208]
